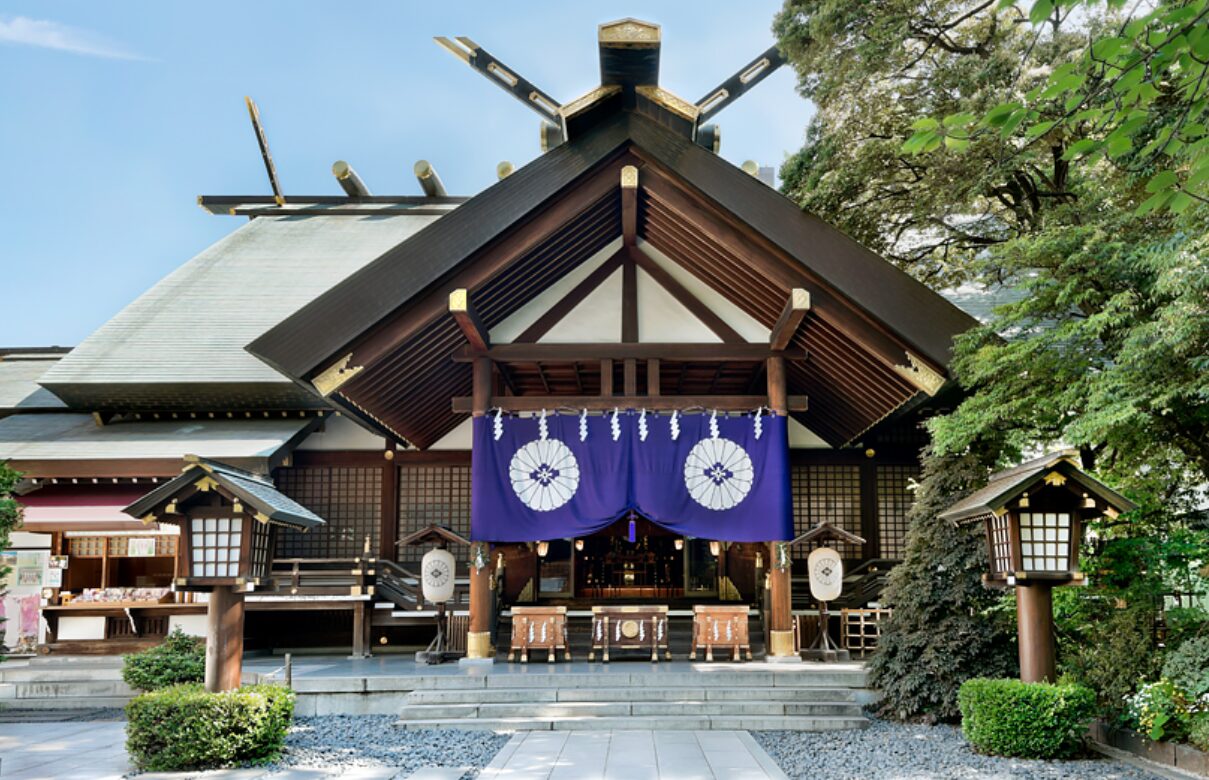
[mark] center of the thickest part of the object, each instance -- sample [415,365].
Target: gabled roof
[180,345]
[386,317]
[19,389]
[1006,486]
[256,491]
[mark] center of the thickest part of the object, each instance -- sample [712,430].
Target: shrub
[944,629]
[1199,733]
[1025,720]
[184,727]
[180,658]
[1165,710]
[1112,651]
[1188,665]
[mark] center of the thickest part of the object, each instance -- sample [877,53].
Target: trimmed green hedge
[1025,720]
[184,727]
[180,658]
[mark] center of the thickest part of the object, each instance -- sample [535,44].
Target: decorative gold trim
[629,177]
[583,102]
[478,644]
[677,105]
[261,517]
[1055,479]
[148,519]
[205,484]
[921,375]
[781,643]
[629,33]
[335,375]
[459,300]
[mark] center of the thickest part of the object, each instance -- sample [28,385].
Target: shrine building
[627,373]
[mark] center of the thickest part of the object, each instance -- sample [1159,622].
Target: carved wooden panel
[539,628]
[629,628]
[715,625]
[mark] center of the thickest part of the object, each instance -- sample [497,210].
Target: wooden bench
[715,625]
[629,628]
[539,628]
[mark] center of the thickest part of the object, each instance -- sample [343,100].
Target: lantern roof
[1009,485]
[826,531]
[262,498]
[433,534]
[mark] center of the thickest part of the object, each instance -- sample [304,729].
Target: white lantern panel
[826,574]
[437,576]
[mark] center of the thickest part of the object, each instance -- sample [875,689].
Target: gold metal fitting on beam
[781,643]
[629,177]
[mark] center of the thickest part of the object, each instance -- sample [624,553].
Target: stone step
[631,694]
[65,674]
[76,661]
[74,688]
[654,722]
[551,710]
[67,703]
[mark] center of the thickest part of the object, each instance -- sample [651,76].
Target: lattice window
[260,550]
[827,492]
[893,501]
[215,546]
[349,499]
[86,546]
[119,546]
[433,495]
[1045,541]
[1001,545]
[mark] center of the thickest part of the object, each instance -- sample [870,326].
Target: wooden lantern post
[780,575]
[228,519]
[1034,517]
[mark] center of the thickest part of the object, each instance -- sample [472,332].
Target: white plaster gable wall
[459,438]
[342,433]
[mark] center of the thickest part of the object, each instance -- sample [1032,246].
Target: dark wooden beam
[596,403]
[606,377]
[778,397]
[466,318]
[481,400]
[263,142]
[686,299]
[629,300]
[652,377]
[570,353]
[572,299]
[223,204]
[630,377]
[629,205]
[791,317]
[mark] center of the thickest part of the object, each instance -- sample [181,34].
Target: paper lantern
[826,574]
[436,575]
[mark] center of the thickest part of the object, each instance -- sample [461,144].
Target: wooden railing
[321,577]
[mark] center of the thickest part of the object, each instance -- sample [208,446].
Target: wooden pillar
[780,582]
[1035,632]
[478,634]
[224,639]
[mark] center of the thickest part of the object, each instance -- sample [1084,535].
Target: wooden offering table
[629,628]
[715,625]
[539,628]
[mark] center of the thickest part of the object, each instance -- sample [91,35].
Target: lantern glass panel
[1001,545]
[1045,541]
[216,546]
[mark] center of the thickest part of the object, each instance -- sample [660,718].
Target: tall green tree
[10,517]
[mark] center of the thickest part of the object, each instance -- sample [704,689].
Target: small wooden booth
[1034,517]
[228,519]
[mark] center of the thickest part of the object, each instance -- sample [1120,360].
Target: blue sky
[114,117]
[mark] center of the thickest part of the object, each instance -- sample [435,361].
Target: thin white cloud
[52,35]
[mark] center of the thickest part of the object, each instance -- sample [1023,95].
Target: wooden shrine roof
[387,324]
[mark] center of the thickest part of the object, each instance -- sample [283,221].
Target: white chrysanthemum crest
[642,426]
[713,424]
[497,424]
[675,424]
[583,425]
[759,422]
[543,428]
[615,425]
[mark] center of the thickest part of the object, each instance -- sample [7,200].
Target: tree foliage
[942,631]
[10,517]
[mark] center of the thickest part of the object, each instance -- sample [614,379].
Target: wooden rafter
[685,298]
[791,317]
[559,310]
[466,318]
[600,403]
[629,205]
[629,300]
[569,353]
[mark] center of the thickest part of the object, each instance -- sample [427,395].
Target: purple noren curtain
[732,486]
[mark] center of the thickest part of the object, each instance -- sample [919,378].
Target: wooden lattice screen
[437,494]
[827,492]
[349,499]
[893,501]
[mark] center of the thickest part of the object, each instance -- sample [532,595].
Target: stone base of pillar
[780,645]
[476,662]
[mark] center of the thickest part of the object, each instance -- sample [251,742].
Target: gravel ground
[892,751]
[374,740]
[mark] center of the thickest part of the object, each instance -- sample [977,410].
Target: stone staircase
[63,683]
[808,698]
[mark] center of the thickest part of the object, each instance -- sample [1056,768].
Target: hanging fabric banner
[696,475]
